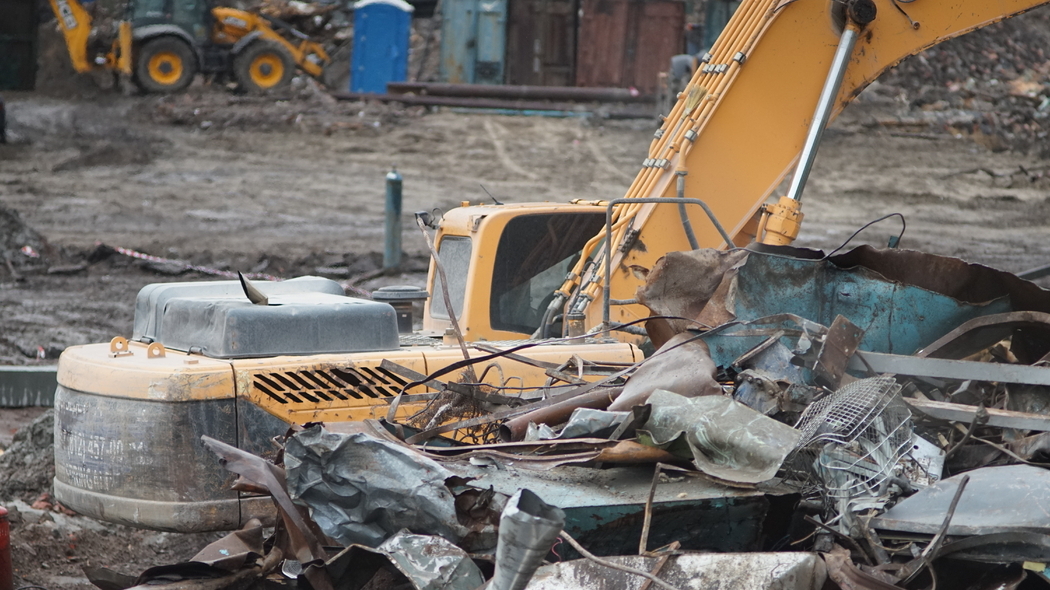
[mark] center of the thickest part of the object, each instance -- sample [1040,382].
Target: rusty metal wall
[626,43]
[541,42]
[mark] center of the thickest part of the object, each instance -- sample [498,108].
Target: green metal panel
[18,44]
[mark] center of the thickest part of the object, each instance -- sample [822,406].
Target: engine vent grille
[339,385]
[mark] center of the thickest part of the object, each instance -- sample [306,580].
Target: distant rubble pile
[28,465]
[22,249]
[1000,74]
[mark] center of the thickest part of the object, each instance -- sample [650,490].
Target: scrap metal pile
[875,419]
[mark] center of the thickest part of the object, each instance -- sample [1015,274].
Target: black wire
[466,362]
[904,226]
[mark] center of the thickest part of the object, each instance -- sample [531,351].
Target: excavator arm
[740,125]
[75,23]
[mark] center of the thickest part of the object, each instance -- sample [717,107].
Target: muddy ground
[294,185]
[194,178]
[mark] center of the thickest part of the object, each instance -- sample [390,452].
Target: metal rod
[518,92]
[625,111]
[823,112]
[392,241]
[606,289]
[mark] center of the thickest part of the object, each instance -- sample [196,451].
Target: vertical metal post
[823,112]
[392,243]
[6,567]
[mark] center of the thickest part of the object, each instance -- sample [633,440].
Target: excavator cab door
[192,16]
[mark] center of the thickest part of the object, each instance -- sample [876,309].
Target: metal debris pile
[875,419]
[992,86]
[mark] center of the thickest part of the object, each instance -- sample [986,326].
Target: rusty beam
[637,112]
[565,93]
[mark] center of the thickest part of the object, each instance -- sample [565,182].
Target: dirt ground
[295,185]
[292,198]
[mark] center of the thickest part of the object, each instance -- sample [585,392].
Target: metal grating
[339,385]
[853,439]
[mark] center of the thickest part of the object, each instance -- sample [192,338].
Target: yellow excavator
[162,44]
[205,359]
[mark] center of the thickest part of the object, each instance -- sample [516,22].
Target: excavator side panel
[128,426]
[231,25]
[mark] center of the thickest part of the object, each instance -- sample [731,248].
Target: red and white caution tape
[201,269]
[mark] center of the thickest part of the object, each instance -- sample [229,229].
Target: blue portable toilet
[381,34]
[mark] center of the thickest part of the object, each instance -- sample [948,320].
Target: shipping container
[627,43]
[473,41]
[18,44]
[541,42]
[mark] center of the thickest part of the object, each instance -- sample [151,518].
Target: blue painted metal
[896,317]
[473,41]
[392,241]
[381,35]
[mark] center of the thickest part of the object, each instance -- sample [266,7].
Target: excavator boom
[738,128]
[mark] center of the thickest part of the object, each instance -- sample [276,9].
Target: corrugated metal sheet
[626,43]
[18,44]
[473,41]
[541,42]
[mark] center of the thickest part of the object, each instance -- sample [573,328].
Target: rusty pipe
[625,111]
[514,429]
[567,93]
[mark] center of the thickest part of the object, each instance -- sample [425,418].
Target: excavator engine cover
[307,315]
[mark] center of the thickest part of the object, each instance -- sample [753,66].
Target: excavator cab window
[149,12]
[455,257]
[534,255]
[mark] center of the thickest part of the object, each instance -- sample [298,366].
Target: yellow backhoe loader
[207,360]
[162,44]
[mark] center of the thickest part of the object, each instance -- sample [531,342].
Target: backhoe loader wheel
[165,64]
[263,66]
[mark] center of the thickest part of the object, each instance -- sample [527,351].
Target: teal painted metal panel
[896,317]
[473,41]
[492,41]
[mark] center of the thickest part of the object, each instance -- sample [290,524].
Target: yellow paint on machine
[297,389]
[300,390]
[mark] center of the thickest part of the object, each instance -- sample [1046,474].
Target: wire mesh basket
[852,440]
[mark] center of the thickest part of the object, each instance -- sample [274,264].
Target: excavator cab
[193,17]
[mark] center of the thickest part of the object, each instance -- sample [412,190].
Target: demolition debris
[877,419]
